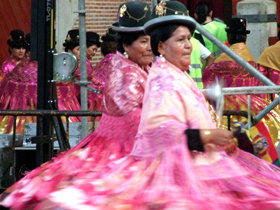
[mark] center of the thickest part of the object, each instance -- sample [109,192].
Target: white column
[64,20]
[256,11]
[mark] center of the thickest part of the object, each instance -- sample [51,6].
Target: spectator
[203,15]
[199,56]
[17,48]
[93,44]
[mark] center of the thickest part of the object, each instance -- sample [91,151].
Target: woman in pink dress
[19,85]
[92,43]
[17,48]
[67,99]
[114,138]
[19,92]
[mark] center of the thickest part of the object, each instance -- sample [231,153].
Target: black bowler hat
[16,39]
[92,38]
[111,35]
[72,35]
[170,12]
[132,16]
[237,26]
[72,40]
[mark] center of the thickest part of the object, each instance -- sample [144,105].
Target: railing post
[83,65]
[42,33]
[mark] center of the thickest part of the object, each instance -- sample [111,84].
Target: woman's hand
[230,147]
[219,137]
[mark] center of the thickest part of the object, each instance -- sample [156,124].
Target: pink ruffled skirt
[113,139]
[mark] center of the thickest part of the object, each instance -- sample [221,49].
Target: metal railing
[40,113]
[244,64]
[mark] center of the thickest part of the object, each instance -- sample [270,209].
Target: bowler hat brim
[116,27]
[170,19]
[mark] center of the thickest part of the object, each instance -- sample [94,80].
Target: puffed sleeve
[124,90]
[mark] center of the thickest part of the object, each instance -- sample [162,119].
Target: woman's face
[91,51]
[76,52]
[140,51]
[18,53]
[177,49]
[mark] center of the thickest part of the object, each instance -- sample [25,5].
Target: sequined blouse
[125,84]
[9,64]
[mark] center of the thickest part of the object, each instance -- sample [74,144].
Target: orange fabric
[270,57]
[240,49]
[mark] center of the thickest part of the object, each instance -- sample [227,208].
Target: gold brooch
[146,9]
[68,38]
[161,8]
[122,10]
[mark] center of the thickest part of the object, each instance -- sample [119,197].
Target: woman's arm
[197,138]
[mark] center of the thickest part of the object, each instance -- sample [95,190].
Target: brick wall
[100,15]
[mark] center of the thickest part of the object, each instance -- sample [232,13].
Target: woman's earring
[125,54]
[162,58]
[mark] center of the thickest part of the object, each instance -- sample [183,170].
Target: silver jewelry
[125,54]
[162,58]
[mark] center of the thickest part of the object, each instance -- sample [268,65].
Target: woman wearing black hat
[114,138]
[67,100]
[17,48]
[210,164]
[93,44]
[72,45]
[125,76]
[203,14]
[94,98]
[19,91]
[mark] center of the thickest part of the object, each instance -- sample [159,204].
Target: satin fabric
[112,140]
[9,64]
[232,74]
[160,173]
[18,91]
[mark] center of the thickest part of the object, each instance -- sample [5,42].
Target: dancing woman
[115,135]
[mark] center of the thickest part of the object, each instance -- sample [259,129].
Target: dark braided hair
[202,10]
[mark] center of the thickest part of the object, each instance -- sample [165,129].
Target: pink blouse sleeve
[124,90]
